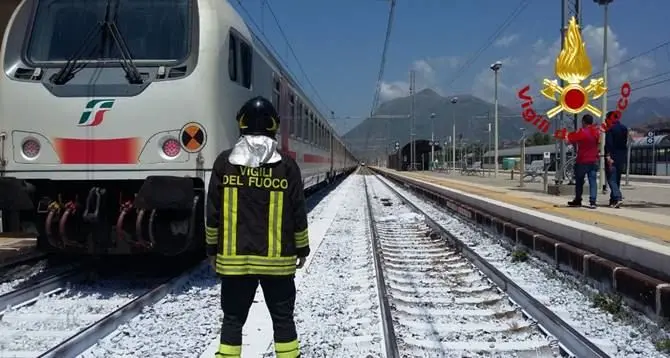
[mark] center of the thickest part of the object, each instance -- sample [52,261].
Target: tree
[538,138]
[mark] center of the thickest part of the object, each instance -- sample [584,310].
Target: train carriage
[113,111]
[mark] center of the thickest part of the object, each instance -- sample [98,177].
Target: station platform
[644,214]
[13,250]
[636,235]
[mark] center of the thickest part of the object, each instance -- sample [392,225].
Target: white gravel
[54,318]
[19,274]
[442,305]
[177,326]
[186,321]
[337,308]
[557,292]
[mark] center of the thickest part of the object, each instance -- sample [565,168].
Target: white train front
[113,111]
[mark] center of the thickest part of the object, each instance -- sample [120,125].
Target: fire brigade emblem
[573,66]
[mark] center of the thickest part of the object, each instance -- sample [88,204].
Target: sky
[339,44]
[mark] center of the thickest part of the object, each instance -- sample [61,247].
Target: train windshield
[153,30]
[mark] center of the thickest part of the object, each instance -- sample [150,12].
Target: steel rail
[570,340]
[390,340]
[96,331]
[34,290]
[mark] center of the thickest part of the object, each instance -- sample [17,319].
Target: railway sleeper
[643,292]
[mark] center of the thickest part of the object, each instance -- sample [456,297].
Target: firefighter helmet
[258,116]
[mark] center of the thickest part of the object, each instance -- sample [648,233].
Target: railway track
[64,314]
[440,299]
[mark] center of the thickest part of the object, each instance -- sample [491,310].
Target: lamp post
[488,147]
[603,181]
[496,67]
[454,100]
[432,138]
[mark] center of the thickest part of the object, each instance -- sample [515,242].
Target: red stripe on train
[311,158]
[98,151]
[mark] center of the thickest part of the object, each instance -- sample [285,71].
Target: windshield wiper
[132,74]
[67,72]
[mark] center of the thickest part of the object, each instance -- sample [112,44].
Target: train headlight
[31,148]
[171,147]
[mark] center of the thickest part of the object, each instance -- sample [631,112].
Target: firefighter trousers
[237,295]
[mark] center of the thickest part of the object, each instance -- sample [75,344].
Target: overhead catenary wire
[523,4]
[290,47]
[382,66]
[276,53]
[632,58]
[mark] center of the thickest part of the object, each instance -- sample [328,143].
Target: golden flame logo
[573,66]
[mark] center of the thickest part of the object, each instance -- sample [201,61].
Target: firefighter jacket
[256,222]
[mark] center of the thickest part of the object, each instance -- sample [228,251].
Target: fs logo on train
[95,111]
[572,66]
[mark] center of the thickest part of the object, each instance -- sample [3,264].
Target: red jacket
[586,140]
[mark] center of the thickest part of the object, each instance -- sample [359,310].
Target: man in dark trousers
[257,229]
[616,151]
[585,141]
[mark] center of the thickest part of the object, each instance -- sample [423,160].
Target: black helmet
[258,116]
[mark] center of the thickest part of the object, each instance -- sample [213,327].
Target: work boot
[575,203]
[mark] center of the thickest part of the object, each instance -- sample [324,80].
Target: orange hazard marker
[193,137]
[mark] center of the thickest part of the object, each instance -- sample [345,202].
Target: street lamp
[496,67]
[432,138]
[488,147]
[603,181]
[454,100]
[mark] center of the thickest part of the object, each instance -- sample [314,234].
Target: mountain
[470,112]
[377,135]
[646,110]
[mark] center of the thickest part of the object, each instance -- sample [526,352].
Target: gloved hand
[301,262]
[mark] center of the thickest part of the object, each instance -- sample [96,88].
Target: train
[112,113]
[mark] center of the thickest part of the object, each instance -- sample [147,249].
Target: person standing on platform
[256,229]
[586,142]
[616,151]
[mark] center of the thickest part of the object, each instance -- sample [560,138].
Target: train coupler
[67,224]
[166,215]
[93,202]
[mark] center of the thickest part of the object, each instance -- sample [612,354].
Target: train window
[298,128]
[153,30]
[291,116]
[275,93]
[246,59]
[232,57]
[310,127]
[315,129]
[305,123]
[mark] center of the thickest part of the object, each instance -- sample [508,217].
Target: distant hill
[378,134]
[470,113]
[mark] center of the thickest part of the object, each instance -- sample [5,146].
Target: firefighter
[257,229]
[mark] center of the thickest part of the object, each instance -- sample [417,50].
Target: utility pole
[603,181]
[569,8]
[412,158]
[432,138]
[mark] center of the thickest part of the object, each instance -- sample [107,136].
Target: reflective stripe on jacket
[256,218]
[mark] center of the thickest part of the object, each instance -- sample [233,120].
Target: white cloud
[427,75]
[539,62]
[527,67]
[506,41]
